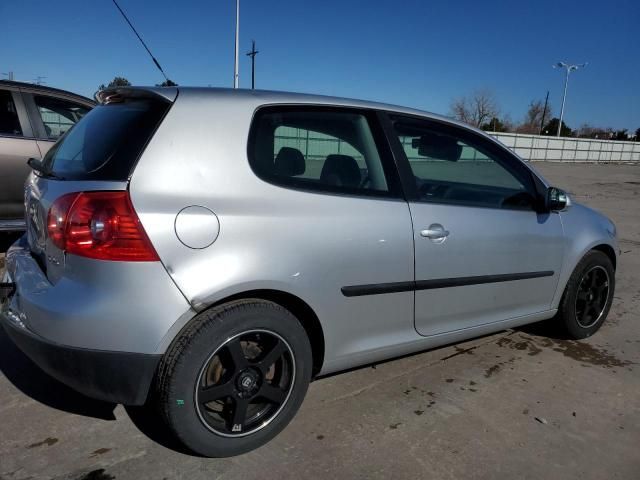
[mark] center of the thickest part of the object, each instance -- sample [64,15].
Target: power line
[37,80]
[141,41]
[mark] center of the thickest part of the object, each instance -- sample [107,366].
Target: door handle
[435,232]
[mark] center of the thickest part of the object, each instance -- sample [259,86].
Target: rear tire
[234,378]
[588,296]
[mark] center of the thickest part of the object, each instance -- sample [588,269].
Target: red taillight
[100,225]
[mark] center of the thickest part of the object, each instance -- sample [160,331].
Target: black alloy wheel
[245,383]
[592,296]
[588,295]
[234,377]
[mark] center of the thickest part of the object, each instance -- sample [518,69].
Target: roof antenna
[141,41]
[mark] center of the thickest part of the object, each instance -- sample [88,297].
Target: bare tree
[477,109]
[589,131]
[116,82]
[532,122]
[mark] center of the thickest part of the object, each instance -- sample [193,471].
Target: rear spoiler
[115,94]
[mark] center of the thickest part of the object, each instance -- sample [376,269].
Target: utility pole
[236,76]
[569,68]
[9,75]
[544,112]
[39,80]
[253,54]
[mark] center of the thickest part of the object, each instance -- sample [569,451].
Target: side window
[460,168]
[317,149]
[58,115]
[9,122]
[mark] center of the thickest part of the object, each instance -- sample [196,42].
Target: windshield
[107,142]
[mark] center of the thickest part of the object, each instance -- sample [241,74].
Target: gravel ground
[517,404]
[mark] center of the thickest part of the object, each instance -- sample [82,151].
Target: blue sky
[416,53]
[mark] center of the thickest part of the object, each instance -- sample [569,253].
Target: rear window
[321,148]
[107,142]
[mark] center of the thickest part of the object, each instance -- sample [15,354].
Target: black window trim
[506,159]
[394,182]
[23,117]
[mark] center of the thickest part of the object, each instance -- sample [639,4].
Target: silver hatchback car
[209,252]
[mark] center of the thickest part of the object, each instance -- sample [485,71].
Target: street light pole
[236,76]
[569,68]
[564,97]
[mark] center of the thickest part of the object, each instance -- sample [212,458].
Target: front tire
[234,378]
[588,296]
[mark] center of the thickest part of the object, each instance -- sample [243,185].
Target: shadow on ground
[27,377]
[547,328]
[30,380]
[148,421]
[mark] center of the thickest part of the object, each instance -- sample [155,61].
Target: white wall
[563,149]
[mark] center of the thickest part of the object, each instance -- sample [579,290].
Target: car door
[17,145]
[318,212]
[484,252]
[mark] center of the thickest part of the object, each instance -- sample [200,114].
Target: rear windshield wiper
[37,165]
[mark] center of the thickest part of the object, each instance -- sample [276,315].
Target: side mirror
[35,163]
[556,200]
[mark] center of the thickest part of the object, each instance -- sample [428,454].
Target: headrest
[289,162]
[341,170]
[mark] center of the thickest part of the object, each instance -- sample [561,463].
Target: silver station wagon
[209,252]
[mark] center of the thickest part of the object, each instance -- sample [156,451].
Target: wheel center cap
[247,381]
